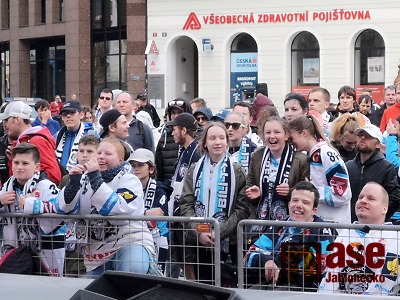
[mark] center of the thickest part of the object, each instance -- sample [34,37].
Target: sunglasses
[199,119]
[176,102]
[235,126]
[102,98]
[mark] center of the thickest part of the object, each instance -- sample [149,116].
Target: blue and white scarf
[214,190]
[273,206]
[184,161]
[244,153]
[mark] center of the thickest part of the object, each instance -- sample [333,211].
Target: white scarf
[214,193]
[23,230]
[73,156]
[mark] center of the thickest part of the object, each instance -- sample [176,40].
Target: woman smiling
[274,169]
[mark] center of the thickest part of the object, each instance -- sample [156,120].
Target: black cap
[141,96]
[185,120]
[71,105]
[107,119]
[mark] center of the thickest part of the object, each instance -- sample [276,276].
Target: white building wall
[336,40]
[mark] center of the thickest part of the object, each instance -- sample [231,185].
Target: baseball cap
[205,111]
[16,109]
[142,155]
[220,116]
[141,96]
[185,120]
[71,105]
[371,130]
[107,119]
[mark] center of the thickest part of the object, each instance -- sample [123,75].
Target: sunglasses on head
[235,126]
[102,98]
[176,102]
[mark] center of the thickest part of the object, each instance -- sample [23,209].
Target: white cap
[17,109]
[142,155]
[371,130]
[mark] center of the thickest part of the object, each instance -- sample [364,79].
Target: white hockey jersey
[365,278]
[329,174]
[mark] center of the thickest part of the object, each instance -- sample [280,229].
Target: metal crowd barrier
[246,236]
[193,246]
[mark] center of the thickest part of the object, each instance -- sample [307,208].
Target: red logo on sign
[192,22]
[153,48]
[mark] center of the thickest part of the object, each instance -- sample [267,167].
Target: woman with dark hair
[212,179]
[328,172]
[274,169]
[295,105]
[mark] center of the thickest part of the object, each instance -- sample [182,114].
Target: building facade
[66,47]
[219,50]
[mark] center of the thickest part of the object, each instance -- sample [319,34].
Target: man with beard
[17,123]
[370,165]
[184,132]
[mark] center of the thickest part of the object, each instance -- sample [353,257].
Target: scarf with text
[273,206]
[73,155]
[150,193]
[244,153]
[214,191]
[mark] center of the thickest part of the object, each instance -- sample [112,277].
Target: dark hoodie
[378,169]
[167,150]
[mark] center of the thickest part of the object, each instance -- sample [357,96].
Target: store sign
[244,75]
[193,22]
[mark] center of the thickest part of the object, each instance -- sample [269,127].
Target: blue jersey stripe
[109,204]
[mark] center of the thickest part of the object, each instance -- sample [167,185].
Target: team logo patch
[316,157]
[391,268]
[339,185]
[127,194]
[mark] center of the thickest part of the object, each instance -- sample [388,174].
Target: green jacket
[299,171]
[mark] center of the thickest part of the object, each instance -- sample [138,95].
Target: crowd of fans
[319,162]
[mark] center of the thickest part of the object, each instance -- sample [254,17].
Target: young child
[155,199]
[29,191]
[75,234]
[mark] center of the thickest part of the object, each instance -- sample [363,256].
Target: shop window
[5,14]
[369,64]
[305,61]
[4,70]
[369,58]
[244,68]
[109,48]
[47,68]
